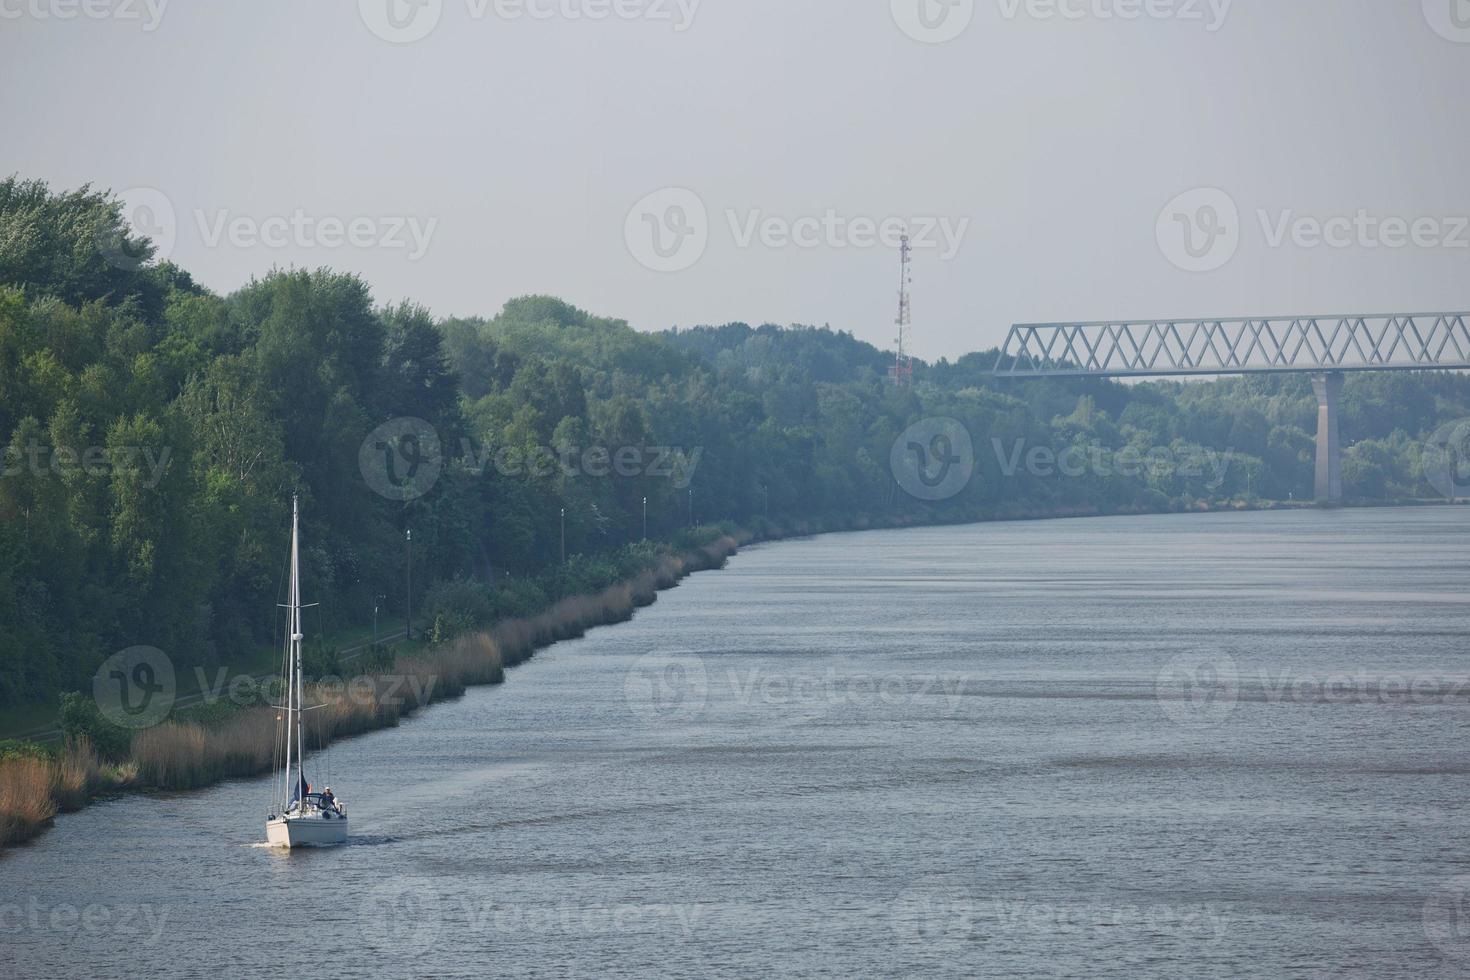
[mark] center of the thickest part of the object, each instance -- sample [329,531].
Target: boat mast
[296,636]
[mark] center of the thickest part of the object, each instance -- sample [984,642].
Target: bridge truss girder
[1165,348]
[1324,346]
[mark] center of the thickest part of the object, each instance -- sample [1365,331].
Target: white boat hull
[306,831]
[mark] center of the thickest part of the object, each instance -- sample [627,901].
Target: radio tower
[902,372]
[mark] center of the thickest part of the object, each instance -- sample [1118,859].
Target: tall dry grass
[188,755]
[25,798]
[34,789]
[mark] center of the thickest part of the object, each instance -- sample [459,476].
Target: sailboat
[298,816]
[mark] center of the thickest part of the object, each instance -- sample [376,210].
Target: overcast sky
[701,161]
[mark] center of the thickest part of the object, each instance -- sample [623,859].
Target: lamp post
[408,579]
[563,535]
[691,506]
[645,518]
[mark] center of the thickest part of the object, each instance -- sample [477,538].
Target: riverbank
[192,753]
[181,753]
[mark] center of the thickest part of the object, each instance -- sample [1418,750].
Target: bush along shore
[197,747]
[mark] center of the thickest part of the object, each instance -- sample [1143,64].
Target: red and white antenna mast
[902,372]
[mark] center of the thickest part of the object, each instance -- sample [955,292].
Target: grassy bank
[198,748]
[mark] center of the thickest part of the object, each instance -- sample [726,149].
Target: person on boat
[329,802]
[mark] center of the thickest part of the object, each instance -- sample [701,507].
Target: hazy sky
[577,147]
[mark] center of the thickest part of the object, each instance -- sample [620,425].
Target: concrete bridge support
[1329,446]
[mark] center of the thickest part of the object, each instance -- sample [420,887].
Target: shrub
[320,659]
[80,719]
[460,604]
[376,659]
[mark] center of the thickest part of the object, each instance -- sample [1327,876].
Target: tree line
[154,432]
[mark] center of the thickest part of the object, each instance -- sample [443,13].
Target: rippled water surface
[1197,745]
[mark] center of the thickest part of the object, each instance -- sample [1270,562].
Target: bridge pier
[1329,447]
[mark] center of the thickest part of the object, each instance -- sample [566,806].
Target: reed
[25,798]
[76,774]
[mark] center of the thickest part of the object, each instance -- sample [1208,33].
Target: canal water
[1192,745]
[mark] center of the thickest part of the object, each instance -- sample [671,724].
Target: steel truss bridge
[1323,346]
